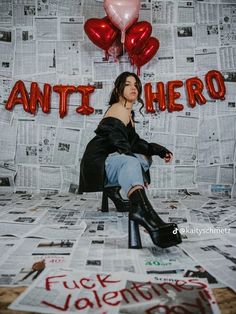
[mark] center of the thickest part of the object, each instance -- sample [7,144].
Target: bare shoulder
[119,112]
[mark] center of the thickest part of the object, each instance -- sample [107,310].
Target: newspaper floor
[67,235]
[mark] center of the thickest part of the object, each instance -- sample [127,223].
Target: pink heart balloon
[122,13]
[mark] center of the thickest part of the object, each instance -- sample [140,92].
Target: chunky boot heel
[105,207]
[134,235]
[142,213]
[114,194]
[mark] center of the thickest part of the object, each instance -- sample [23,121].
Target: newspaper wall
[44,41]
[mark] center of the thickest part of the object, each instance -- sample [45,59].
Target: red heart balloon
[137,36]
[147,54]
[101,32]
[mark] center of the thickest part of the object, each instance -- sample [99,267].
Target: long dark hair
[119,86]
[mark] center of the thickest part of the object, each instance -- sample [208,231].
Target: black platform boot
[142,213]
[113,193]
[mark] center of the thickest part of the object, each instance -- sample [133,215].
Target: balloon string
[131,60]
[138,70]
[122,37]
[106,55]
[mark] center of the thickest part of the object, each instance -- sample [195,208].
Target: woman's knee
[131,165]
[131,161]
[145,161]
[121,162]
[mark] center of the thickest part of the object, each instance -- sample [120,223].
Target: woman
[117,157]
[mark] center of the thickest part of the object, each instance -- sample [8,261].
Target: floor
[32,220]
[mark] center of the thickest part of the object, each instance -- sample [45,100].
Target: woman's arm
[139,145]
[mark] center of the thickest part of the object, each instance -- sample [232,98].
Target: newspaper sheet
[217,257]
[7,42]
[207,35]
[206,59]
[23,12]
[27,178]
[46,56]
[47,8]
[227,24]
[22,270]
[71,28]
[96,292]
[186,12]
[15,230]
[8,139]
[104,254]
[162,12]
[46,28]
[206,13]
[185,36]
[68,8]
[55,231]
[6,13]
[68,54]
[92,8]
[145,11]
[25,52]
[24,216]
[104,70]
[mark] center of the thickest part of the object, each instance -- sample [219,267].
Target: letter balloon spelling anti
[36,96]
[18,95]
[85,91]
[63,91]
[165,94]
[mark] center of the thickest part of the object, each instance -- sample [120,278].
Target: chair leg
[105,207]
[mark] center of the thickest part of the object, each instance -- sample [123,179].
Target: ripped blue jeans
[125,171]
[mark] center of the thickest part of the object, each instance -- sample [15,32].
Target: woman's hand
[168,157]
[146,185]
